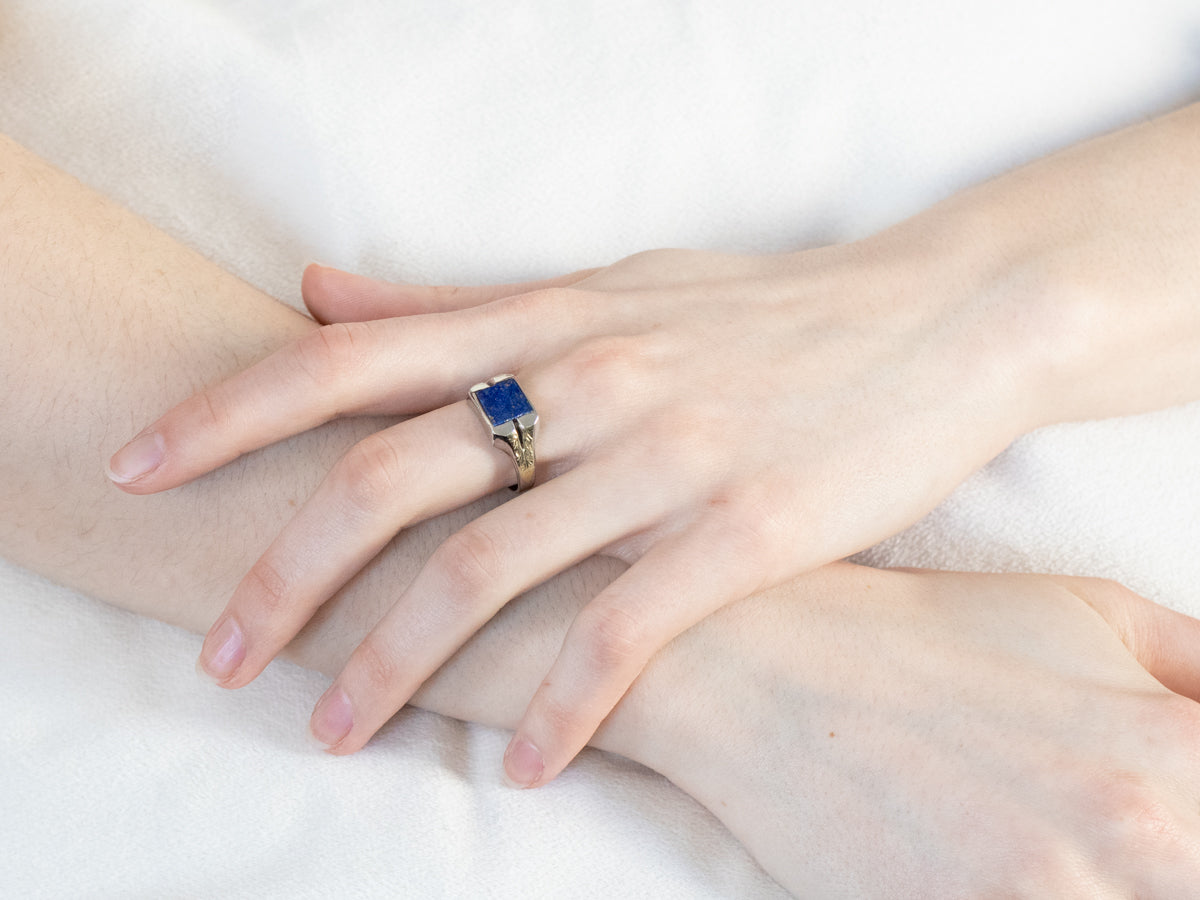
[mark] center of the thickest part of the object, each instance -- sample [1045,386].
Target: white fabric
[470,142]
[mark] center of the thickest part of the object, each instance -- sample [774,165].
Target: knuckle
[472,561]
[332,351]
[612,638]
[369,475]
[539,308]
[546,312]
[213,408]
[377,665]
[750,524]
[447,295]
[266,587]
[541,302]
[1135,817]
[557,720]
[611,365]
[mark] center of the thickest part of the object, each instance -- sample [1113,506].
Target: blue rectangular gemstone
[503,401]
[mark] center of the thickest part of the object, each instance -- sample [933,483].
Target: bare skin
[865,733]
[728,422]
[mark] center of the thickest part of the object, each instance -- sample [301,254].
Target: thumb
[1165,642]
[332,295]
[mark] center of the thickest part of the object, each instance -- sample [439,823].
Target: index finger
[398,366]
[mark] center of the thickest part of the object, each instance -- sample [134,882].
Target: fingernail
[333,718]
[223,651]
[136,459]
[523,764]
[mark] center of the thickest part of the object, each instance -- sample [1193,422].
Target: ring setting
[512,421]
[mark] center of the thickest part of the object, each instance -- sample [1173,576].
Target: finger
[332,295]
[384,483]
[676,584]
[1171,652]
[1166,643]
[467,579]
[384,367]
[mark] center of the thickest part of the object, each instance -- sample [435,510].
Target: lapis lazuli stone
[503,401]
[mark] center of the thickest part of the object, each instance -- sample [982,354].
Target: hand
[720,422]
[895,733]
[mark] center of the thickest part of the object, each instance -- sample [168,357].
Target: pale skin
[720,423]
[863,732]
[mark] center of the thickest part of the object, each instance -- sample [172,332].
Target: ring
[512,421]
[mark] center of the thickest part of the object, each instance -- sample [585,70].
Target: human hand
[720,422]
[898,733]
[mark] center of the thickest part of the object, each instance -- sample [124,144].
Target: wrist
[1050,321]
[997,347]
[1031,328]
[1083,268]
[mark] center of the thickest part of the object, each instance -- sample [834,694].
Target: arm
[865,733]
[728,422]
[104,318]
[1089,257]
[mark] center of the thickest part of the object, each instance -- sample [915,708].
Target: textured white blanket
[476,141]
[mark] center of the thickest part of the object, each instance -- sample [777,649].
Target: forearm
[1085,266]
[865,733]
[104,318]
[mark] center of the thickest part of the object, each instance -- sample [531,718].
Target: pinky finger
[677,583]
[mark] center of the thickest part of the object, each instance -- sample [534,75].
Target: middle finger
[386,482]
